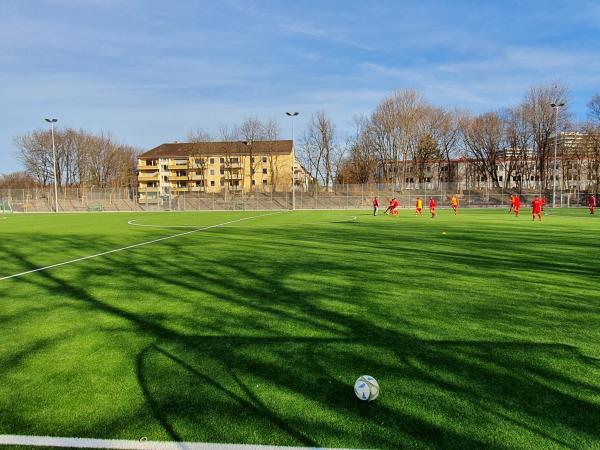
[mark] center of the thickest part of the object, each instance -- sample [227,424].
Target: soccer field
[483,329]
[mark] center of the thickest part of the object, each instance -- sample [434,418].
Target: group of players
[537,206]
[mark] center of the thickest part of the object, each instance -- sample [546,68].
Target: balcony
[144,189]
[233,165]
[197,176]
[180,166]
[198,189]
[148,176]
[143,166]
[233,176]
[178,178]
[180,189]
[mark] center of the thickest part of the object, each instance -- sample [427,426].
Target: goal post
[5,207]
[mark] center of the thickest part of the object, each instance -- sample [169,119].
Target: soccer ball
[366,388]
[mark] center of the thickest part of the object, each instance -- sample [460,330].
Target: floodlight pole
[52,122]
[292,115]
[555,106]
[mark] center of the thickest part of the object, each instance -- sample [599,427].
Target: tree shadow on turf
[286,376]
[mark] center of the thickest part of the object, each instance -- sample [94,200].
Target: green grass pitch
[487,336]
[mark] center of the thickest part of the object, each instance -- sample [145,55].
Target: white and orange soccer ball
[366,388]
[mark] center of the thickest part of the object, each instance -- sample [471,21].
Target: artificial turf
[483,329]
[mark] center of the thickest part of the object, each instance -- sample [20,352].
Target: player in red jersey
[592,203]
[390,206]
[512,203]
[375,206]
[516,204]
[432,206]
[395,204]
[536,208]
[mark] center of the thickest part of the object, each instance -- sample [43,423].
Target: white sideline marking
[48,441]
[133,246]
[132,223]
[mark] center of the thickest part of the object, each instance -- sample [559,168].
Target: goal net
[5,207]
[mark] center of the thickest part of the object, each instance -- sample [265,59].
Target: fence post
[347,194]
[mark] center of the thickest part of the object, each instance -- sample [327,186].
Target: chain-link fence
[336,197]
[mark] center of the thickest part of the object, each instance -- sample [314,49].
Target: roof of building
[185,149]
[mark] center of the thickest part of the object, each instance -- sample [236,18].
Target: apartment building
[217,167]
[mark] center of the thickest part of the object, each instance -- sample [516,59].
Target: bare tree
[360,163]
[320,148]
[82,158]
[199,135]
[17,180]
[483,136]
[540,116]
[594,108]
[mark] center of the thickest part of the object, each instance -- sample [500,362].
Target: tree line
[403,127]
[83,159]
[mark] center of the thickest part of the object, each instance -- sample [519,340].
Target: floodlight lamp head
[292,114]
[51,120]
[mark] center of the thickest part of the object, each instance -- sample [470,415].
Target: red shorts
[454,206]
[537,211]
[419,209]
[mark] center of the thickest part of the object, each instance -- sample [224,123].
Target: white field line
[132,246]
[47,441]
[133,223]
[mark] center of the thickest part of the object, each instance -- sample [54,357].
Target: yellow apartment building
[216,167]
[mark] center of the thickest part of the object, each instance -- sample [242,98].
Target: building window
[233,160]
[212,171]
[264,182]
[181,173]
[252,171]
[222,183]
[253,182]
[212,160]
[500,178]
[264,170]
[212,183]
[222,171]
[165,167]
[165,178]
[222,160]
[264,159]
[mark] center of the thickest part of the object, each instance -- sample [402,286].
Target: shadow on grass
[243,349]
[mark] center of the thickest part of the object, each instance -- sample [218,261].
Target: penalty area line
[153,241]
[48,441]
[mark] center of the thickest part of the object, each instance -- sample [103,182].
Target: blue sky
[148,71]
